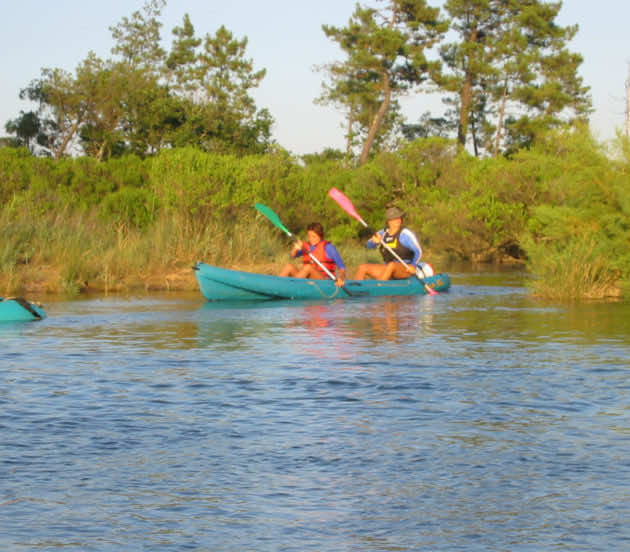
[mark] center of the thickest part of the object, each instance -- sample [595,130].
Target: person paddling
[324,251]
[402,240]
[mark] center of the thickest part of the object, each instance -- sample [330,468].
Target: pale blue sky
[285,37]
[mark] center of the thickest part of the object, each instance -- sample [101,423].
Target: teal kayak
[17,309]
[220,284]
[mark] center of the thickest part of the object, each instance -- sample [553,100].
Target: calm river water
[480,419]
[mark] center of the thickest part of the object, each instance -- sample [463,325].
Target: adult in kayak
[324,252]
[402,240]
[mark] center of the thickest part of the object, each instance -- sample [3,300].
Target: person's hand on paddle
[411,269]
[377,238]
[297,246]
[341,278]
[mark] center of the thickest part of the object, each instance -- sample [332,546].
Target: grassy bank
[71,253]
[562,207]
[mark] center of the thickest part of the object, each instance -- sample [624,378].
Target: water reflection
[505,315]
[313,317]
[393,320]
[519,316]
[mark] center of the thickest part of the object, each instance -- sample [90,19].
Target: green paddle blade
[269,213]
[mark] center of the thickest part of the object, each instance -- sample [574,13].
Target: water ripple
[476,420]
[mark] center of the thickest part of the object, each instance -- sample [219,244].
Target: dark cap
[393,212]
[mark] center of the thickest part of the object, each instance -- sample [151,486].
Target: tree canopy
[146,98]
[509,72]
[503,68]
[506,74]
[386,57]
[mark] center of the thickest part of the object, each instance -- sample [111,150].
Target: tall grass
[78,224]
[572,272]
[70,252]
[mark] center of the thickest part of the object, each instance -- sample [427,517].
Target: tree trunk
[473,132]
[378,118]
[466,98]
[66,140]
[101,151]
[628,104]
[349,138]
[497,141]
[464,108]
[387,98]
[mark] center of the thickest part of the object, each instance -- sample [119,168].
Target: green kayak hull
[18,309]
[222,284]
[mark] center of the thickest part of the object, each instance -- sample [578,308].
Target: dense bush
[562,206]
[578,240]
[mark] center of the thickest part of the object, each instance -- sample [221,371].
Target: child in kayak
[326,256]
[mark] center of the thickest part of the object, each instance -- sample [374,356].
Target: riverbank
[34,280]
[76,224]
[49,280]
[37,282]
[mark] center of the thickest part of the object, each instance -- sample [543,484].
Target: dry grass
[70,253]
[575,273]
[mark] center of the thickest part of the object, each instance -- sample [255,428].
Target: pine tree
[386,58]
[510,71]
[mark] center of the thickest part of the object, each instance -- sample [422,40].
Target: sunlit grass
[74,252]
[574,272]
[71,253]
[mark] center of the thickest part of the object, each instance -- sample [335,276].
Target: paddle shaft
[429,289]
[330,274]
[394,254]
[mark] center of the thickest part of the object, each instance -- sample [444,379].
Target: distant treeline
[562,207]
[503,69]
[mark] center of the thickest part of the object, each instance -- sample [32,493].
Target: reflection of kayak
[222,283]
[18,308]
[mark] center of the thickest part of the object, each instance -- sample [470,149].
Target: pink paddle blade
[345,203]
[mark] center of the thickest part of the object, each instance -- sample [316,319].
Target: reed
[573,272]
[70,252]
[73,251]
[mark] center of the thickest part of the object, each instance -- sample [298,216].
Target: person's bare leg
[288,270]
[361,272]
[388,271]
[309,271]
[368,269]
[394,270]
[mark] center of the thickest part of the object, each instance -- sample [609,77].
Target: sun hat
[393,212]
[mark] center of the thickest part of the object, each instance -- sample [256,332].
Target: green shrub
[129,206]
[564,196]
